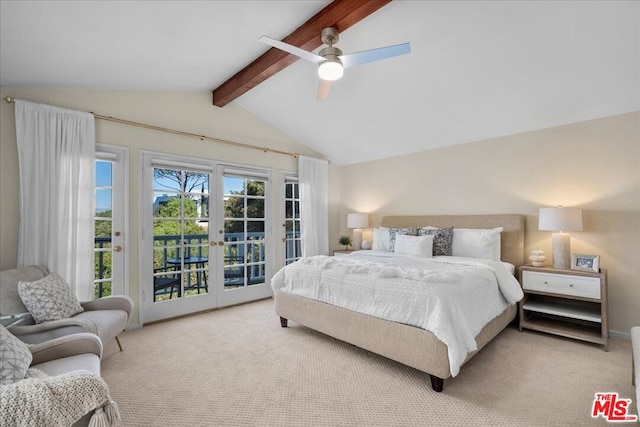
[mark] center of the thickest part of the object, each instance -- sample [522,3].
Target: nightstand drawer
[587,287]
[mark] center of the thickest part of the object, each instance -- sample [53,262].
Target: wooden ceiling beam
[340,14]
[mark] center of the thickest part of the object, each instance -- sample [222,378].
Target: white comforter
[452,297]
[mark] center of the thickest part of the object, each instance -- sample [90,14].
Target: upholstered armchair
[106,317]
[67,378]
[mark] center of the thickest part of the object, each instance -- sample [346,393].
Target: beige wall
[594,165]
[186,111]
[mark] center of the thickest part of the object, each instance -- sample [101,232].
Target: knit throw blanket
[42,400]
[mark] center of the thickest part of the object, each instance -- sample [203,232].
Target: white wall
[594,165]
[191,112]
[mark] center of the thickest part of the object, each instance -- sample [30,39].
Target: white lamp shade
[357,220]
[560,219]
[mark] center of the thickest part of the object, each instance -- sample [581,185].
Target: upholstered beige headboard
[512,237]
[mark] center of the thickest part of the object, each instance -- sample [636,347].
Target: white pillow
[477,243]
[421,246]
[15,358]
[381,239]
[49,298]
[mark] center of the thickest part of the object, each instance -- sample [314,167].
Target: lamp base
[561,243]
[357,239]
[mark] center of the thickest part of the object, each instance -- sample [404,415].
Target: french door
[205,235]
[110,238]
[292,238]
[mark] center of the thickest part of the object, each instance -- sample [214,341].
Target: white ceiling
[477,69]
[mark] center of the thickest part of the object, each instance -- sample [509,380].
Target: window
[292,239]
[110,221]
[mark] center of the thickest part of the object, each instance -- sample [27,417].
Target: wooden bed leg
[283,322]
[437,384]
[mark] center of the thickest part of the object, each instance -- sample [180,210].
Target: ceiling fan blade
[352,59]
[294,50]
[323,89]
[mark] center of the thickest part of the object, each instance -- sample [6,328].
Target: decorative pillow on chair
[49,298]
[15,358]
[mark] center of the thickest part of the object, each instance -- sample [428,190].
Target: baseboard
[623,335]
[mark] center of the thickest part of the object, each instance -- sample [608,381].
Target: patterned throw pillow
[409,231]
[15,358]
[49,298]
[442,239]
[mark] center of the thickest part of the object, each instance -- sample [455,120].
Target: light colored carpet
[238,367]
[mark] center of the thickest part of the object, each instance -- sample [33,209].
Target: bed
[405,343]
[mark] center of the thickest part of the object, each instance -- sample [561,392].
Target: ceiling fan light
[330,70]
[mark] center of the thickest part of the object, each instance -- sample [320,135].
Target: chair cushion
[88,361]
[108,322]
[15,358]
[49,298]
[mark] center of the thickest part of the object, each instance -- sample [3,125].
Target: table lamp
[560,219]
[357,221]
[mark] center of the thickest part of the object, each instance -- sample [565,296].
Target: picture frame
[584,262]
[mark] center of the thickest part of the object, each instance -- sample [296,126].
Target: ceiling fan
[331,62]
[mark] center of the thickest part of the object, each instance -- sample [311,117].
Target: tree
[102,260]
[185,180]
[234,208]
[172,208]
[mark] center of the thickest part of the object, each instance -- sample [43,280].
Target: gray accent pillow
[49,298]
[409,231]
[442,239]
[15,358]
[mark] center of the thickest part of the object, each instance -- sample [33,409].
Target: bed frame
[406,344]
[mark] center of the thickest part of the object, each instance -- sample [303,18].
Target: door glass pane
[103,271]
[292,222]
[103,173]
[180,230]
[255,188]
[234,207]
[233,185]
[255,229]
[244,232]
[255,208]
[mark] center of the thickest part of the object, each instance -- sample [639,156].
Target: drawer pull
[571,285]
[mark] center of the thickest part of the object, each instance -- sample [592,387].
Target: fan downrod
[330,36]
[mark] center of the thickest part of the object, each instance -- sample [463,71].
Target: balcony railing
[196,245]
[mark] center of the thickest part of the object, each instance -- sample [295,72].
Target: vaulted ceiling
[478,69]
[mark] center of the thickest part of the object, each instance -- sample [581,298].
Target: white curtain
[56,153]
[313,180]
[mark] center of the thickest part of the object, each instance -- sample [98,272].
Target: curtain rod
[11,100]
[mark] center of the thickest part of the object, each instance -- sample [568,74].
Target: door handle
[221,243]
[117,248]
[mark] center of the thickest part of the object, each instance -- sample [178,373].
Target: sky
[104,181]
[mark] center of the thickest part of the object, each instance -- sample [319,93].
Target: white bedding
[453,297]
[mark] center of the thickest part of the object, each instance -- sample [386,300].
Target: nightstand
[567,303]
